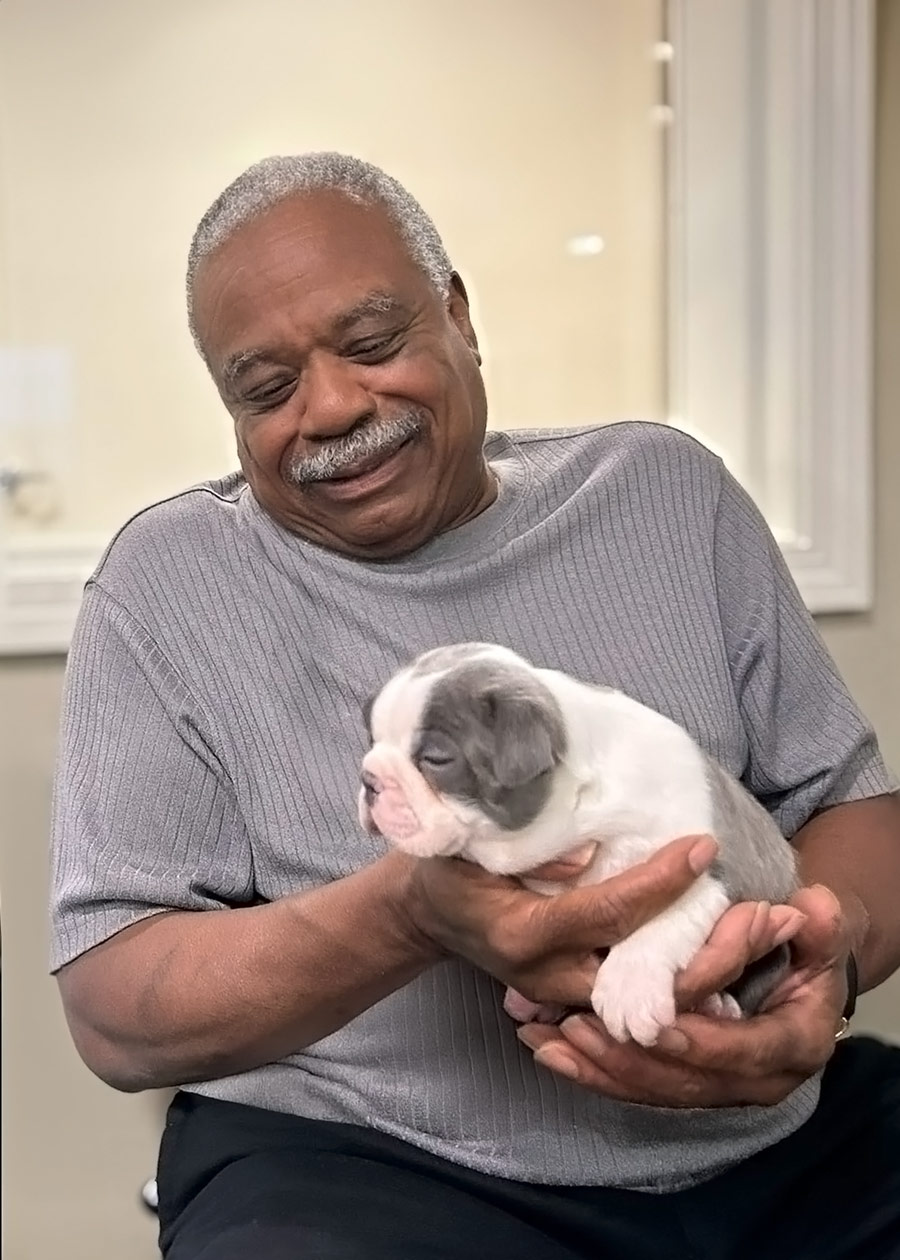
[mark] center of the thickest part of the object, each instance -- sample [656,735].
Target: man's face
[358,404]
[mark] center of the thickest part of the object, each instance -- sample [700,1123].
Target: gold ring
[844,1028]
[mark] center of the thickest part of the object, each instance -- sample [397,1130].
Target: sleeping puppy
[477,754]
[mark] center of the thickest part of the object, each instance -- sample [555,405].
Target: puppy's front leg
[634,993]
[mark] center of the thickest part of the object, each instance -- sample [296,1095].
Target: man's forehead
[302,230]
[341,262]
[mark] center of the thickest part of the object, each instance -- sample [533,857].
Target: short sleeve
[809,745]
[144,815]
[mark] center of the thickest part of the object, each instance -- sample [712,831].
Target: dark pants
[240,1183]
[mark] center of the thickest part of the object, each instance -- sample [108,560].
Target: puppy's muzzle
[395,801]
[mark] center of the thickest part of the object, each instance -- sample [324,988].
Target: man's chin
[369,533]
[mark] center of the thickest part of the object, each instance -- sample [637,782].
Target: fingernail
[702,854]
[759,924]
[582,1024]
[789,928]
[673,1041]
[530,1037]
[558,1061]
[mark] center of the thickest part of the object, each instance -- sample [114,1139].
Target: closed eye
[271,395]
[435,759]
[375,349]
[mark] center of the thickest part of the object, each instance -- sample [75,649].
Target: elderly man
[350,1086]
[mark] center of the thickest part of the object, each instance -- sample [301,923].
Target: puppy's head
[465,745]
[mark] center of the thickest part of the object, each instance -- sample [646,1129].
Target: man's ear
[458,306]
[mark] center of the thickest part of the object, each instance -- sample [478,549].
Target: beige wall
[517,123]
[75,1153]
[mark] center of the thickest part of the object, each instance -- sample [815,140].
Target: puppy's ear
[367,707]
[526,736]
[500,732]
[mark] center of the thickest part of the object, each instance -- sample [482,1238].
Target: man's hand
[703,1062]
[546,947]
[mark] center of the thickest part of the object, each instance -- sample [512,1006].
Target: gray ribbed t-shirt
[212,738]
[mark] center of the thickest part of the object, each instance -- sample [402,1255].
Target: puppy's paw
[633,998]
[720,1006]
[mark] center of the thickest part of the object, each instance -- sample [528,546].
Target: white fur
[631,778]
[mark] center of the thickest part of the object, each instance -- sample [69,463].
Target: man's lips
[368,477]
[364,466]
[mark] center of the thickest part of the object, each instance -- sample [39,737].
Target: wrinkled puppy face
[464,745]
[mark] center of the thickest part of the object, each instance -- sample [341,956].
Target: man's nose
[335,398]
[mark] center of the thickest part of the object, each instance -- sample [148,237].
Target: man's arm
[193,995]
[854,850]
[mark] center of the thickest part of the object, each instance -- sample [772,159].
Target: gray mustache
[374,438]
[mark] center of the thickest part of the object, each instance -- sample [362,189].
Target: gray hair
[273,179]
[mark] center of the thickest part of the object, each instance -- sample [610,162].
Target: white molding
[41,582]
[770,280]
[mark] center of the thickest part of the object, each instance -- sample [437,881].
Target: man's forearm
[193,995]
[854,849]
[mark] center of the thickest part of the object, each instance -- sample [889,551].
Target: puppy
[478,754]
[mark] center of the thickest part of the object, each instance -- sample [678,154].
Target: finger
[536,1036]
[631,1073]
[567,983]
[746,932]
[602,914]
[636,1073]
[569,1063]
[718,1091]
[823,937]
[724,956]
[797,1037]
[582,1051]
[784,922]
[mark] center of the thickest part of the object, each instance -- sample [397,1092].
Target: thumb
[822,938]
[597,915]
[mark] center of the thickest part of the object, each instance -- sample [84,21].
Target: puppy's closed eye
[436,752]
[435,757]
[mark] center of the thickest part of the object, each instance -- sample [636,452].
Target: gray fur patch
[758,979]
[755,862]
[492,735]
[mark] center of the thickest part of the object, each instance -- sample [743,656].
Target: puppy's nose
[371,786]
